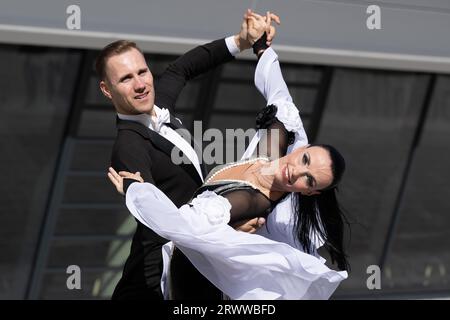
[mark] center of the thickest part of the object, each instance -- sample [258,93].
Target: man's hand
[249,226]
[241,37]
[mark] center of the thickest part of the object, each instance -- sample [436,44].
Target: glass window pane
[293,73]
[93,221]
[87,252]
[94,285]
[95,123]
[240,71]
[304,98]
[370,117]
[159,63]
[37,85]
[90,156]
[90,189]
[419,260]
[237,97]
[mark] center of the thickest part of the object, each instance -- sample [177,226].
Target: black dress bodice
[246,200]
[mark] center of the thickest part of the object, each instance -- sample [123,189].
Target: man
[144,143]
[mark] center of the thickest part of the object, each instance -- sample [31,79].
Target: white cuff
[232,46]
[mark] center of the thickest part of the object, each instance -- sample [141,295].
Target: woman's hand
[271,30]
[117,178]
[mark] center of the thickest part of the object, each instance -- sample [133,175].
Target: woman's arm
[270,82]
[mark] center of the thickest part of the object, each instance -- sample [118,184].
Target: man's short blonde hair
[114,48]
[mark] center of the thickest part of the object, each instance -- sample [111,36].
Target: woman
[299,189]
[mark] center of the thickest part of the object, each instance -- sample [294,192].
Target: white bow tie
[162,117]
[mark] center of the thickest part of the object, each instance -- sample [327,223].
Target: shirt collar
[143,118]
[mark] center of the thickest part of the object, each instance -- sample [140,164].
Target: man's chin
[144,109]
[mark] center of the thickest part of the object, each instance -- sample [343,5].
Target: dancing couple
[201,236]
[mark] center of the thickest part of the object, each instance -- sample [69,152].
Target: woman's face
[306,170]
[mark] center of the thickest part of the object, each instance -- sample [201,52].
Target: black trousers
[141,278]
[187,283]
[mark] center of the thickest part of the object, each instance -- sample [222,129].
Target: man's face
[129,83]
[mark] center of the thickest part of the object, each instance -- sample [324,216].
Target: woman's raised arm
[280,113]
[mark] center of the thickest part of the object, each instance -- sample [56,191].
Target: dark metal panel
[319,106]
[404,181]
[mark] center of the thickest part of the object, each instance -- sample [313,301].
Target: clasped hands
[253,27]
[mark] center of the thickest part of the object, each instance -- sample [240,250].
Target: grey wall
[415,34]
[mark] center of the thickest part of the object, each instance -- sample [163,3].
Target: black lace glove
[260,45]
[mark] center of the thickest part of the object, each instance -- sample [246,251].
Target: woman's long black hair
[321,214]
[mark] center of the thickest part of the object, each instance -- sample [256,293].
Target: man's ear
[105,90]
